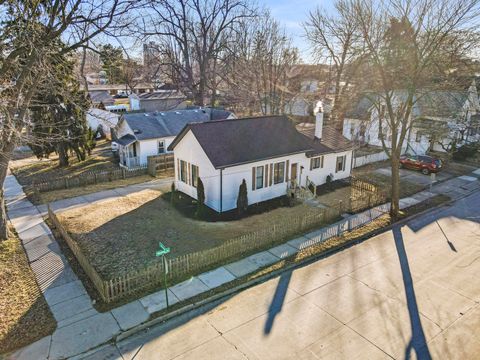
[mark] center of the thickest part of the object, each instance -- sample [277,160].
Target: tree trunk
[62,154]
[395,202]
[4,160]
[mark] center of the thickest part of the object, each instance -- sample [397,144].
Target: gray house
[140,135]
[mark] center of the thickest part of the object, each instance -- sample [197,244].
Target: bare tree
[409,45]
[259,61]
[191,34]
[336,40]
[29,38]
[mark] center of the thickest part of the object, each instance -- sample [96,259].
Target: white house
[437,118]
[270,153]
[140,135]
[102,120]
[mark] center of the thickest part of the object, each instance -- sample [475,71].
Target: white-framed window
[418,137]
[183,171]
[341,162]
[316,162]
[279,173]
[194,174]
[259,170]
[161,146]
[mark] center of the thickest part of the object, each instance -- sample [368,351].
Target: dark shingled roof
[241,141]
[126,140]
[440,103]
[169,123]
[101,96]
[360,109]
[331,138]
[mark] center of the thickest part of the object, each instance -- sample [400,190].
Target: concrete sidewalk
[81,327]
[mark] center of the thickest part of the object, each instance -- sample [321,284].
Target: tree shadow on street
[418,342]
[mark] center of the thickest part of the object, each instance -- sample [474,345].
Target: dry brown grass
[31,170]
[24,316]
[47,197]
[123,234]
[407,188]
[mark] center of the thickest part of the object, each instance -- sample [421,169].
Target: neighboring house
[101,96]
[269,153]
[438,117]
[163,100]
[140,135]
[114,89]
[102,120]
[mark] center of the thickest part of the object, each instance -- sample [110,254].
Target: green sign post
[162,252]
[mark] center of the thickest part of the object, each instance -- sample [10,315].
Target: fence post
[123,173]
[66,183]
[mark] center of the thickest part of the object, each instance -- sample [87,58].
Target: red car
[426,164]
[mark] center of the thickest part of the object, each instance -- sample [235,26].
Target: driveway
[412,292]
[416,176]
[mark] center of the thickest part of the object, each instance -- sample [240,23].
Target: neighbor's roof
[162,95]
[169,123]
[101,96]
[230,143]
[331,138]
[440,103]
[360,109]
[126,140]
[427,103]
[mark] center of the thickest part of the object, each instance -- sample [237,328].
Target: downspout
[221,190]
[352,161]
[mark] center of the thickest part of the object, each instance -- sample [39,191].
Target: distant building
[102,121]
[454,111]
[163,100]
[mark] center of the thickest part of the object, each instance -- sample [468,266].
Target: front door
[293,174]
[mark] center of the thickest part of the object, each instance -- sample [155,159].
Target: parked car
[426,164]
[114,147]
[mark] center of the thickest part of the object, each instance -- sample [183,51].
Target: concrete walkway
[81,327]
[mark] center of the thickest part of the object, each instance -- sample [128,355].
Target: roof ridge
[243,118]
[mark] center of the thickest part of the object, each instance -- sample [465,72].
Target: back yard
[123,234]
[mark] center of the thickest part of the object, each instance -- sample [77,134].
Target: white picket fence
[368,159]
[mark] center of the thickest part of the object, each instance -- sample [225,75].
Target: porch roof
[126,140]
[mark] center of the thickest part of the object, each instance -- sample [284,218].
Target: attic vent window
[177,112]
[136,131]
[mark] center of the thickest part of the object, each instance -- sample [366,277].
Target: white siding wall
[190,151]
[233,176]
[150,147]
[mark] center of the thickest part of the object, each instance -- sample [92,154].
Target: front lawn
[122,235]
[24,314]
